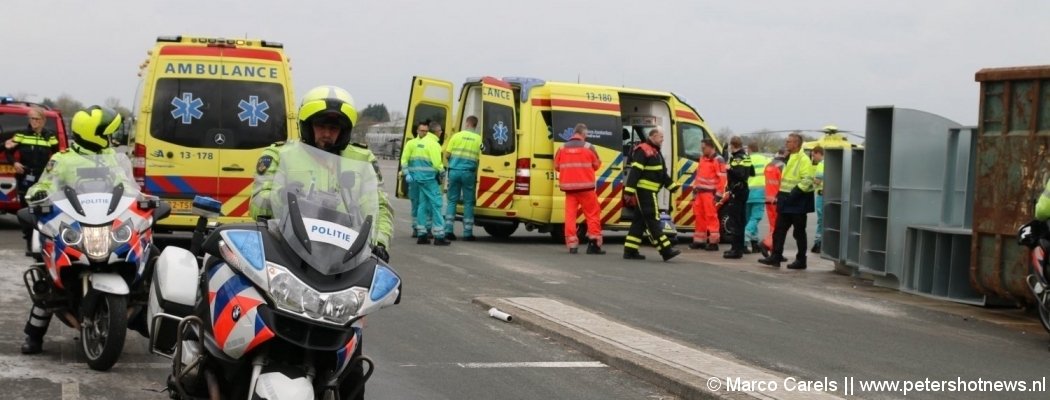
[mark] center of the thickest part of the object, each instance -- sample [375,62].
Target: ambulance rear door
[498,167]
[429,100]
[689,132]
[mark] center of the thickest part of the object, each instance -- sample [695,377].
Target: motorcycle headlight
[292,295]
[122,234]
[71,237]
[96,241]
[286,290]
[341,307]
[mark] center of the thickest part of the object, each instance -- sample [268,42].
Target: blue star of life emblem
[187,108]
[567,133]
[253,111]
[500,132]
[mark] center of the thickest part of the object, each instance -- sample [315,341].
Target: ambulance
[209,107]
[524,121]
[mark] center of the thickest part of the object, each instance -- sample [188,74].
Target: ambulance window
[689,138]
[429,112]
[602,130]
[498,134]
[227,114]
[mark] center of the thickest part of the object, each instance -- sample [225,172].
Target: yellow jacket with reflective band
[409,145]
[647,170]
[384,222]
[797,173]
[1042,208]
[758,182]
[818,174]
[464,151]
[424,159]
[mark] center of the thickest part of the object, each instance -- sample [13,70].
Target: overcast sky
[744,64]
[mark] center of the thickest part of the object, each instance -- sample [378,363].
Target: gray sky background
[744,64]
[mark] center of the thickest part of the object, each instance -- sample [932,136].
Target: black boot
[816,248]
[800,263]
[669,253]
[733,254]
[755,248]
[422,240]
[632,255]
[450,236]
[711,247]
[32,345]
[772,261]
[573,250]
[441,242]
[593,248]
[764,250]
[697,245]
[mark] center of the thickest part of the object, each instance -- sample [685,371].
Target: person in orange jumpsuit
[773,171]
[709,186]
[576,163]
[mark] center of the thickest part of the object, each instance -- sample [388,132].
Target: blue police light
[206,206]
[384,281]
[7,99]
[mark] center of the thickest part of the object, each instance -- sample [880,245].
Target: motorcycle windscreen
[92,189]
[323,206]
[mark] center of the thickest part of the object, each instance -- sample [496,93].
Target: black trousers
[736,219]
[797,222]
[646,223]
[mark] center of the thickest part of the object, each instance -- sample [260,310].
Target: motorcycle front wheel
[103,331]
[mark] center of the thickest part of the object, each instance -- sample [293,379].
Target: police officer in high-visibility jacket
[709,187]
[735,201]
[818,184]
[461,155]
[326,117]
[756,196]
[773,172]
[646,176]
[426,169]
[92,128]
[576,161]
[794,201]
[413,191]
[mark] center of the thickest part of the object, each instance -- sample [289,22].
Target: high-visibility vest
[758,182]
[464,151]
[711,175]
[576,163]
[797,173]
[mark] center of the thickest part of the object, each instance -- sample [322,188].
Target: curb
[653,372]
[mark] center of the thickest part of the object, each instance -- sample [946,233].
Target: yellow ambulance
[523,121]
[209,106]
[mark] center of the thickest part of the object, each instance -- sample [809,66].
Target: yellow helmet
[831,129]
[93,127]
[330,104]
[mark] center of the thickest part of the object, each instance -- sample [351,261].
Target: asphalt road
[811,324]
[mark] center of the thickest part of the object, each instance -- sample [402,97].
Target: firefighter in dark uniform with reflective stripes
[646,175]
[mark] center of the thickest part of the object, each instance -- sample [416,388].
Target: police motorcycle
[94,234]
[277,310]
[1036,236]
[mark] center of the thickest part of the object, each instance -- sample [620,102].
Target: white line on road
[132,366]
[70,391]
[557,364]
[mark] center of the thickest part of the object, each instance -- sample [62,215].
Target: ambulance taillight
[138,165]
[523,177]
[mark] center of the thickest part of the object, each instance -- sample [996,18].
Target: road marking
[695,364]
[554,364]
[70,391]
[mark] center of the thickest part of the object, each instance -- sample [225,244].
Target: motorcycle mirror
[161,210]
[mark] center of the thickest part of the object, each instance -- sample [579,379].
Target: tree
[375,113]
[114,104]
[723,134]
[47,102]
[68,105]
